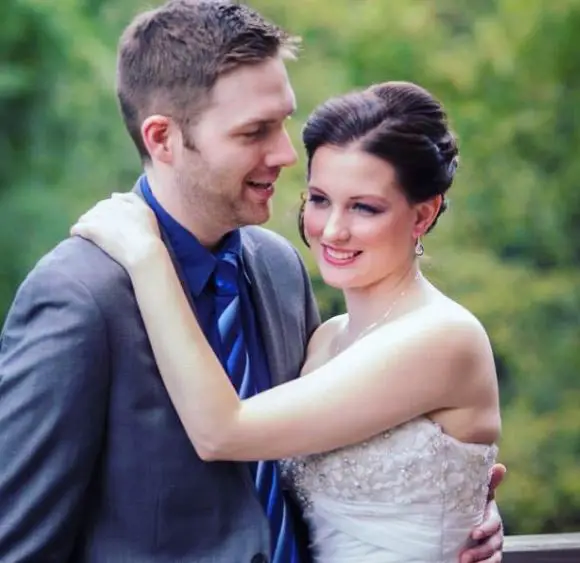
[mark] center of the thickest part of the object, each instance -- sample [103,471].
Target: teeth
[337,255]
[261,185]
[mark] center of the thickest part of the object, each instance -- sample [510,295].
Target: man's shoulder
[78,262]
[255,234]
[261,240]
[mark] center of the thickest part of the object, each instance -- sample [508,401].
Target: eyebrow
[364,196]
[353,198]
[266,120]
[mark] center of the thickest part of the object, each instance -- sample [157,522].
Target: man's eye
[256,133]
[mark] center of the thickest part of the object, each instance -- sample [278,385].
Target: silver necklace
[381,320]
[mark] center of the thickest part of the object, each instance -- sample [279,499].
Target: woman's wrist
[149,252]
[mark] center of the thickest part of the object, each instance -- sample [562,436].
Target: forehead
[260,92]
[351,171]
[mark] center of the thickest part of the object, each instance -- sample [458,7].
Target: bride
[388,438]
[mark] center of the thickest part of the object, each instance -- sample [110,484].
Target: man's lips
[260,185]
[260,192]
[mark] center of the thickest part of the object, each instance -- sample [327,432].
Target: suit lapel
[270,319]
[243,468]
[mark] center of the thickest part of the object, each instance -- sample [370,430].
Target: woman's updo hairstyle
[398,122]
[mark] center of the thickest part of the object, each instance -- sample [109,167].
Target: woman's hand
[124,227]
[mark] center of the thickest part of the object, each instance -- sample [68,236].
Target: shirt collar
[189,252]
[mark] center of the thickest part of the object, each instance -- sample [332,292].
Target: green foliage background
[508,72]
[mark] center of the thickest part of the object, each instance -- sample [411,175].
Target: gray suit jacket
[94,463]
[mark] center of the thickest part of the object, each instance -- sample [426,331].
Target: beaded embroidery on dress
[412,494]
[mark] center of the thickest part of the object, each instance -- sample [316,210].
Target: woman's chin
[339,282]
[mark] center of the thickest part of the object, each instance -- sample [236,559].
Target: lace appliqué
[413,463]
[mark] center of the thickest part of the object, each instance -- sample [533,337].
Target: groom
[94,463]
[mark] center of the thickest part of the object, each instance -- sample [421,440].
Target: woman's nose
[336,228]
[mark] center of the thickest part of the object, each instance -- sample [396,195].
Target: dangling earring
[419,248]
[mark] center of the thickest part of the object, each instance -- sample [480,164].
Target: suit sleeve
[53,401]
[312,314]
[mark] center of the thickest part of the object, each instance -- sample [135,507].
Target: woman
[388,438]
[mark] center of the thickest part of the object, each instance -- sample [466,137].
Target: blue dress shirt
[197,264]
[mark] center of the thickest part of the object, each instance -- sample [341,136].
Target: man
[94,463]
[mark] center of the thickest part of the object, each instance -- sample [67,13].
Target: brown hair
[398,122]
[170,58]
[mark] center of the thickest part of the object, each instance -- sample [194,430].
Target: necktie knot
[226,275]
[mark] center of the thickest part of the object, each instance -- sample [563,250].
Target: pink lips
[339,257]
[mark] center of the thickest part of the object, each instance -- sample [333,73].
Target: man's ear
[157,132]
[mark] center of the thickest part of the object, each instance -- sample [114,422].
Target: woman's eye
[317,199]
[363,208]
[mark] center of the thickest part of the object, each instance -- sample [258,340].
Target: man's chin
[258,215]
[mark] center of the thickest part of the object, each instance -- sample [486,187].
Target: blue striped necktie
[237,364]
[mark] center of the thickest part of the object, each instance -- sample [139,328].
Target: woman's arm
[374,385]
[363,392]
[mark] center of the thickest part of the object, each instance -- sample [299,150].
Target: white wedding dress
[410,495]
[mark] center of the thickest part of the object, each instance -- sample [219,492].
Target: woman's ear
[426,213]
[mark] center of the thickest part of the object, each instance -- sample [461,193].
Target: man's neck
[209,235]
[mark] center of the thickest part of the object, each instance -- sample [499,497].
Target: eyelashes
[257,134]
[317,199]
[321,201]
[367,208]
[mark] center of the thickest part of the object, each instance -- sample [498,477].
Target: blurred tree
[507,71]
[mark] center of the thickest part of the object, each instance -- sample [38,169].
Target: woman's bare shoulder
[446,334]
[456,334]
[460,323]
[442,315]
[328,329]
[320,344]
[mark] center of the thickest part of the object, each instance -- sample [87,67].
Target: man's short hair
[170,58]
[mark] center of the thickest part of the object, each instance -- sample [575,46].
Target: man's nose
[283,153]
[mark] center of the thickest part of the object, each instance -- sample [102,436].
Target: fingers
[81,229]
[117,201]
[490,534]
[488,552]
[76,230]
[132,199]
[84,227]
[106,207]
[498,472]
[127,197]
[495,558]
[122,216]
[491,524]
[88,217]
[130,203]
